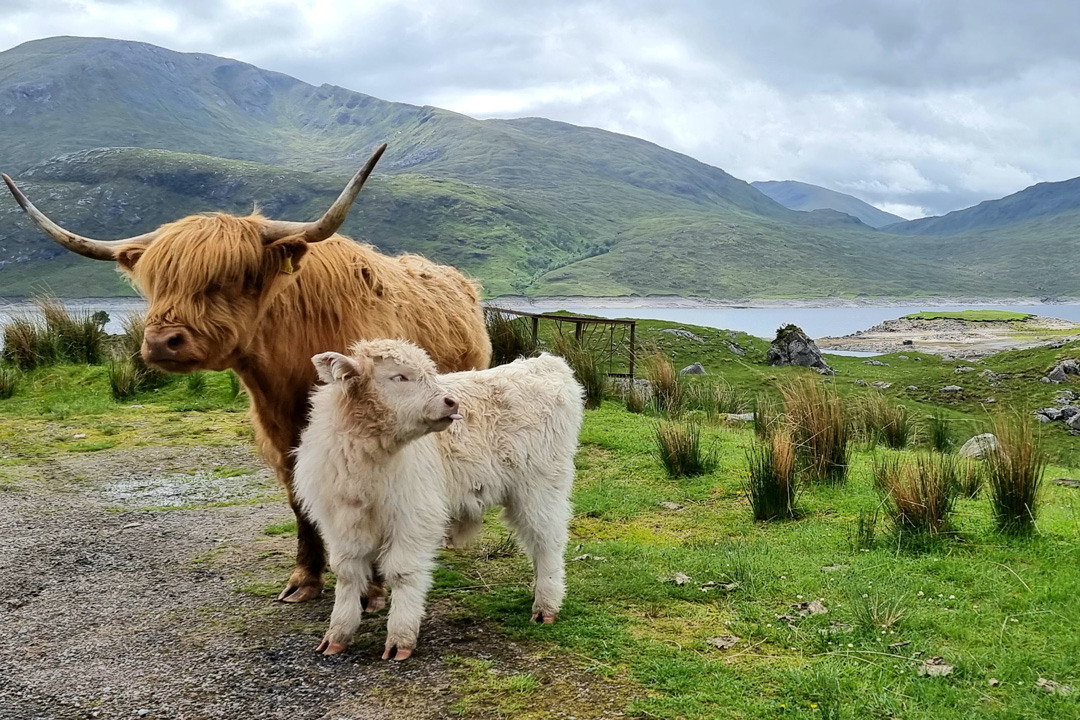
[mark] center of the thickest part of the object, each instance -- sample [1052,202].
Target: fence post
[633,349]
[578,329]
[536,330]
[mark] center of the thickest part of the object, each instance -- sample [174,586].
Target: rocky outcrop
[979,446]
[793,347]
[695,369]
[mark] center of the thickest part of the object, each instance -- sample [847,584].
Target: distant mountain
[803,196]
[113,138]
[1042,201]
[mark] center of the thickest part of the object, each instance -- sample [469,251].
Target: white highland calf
[396,458]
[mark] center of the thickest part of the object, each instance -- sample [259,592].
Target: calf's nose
[451,403]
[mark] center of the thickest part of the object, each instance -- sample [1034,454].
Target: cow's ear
[334,367]
[287,253]
[129,256]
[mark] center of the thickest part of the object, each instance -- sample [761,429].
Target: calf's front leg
[408,573]
[353,577]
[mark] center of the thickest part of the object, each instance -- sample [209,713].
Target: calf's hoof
[397,654]
[331,647]
[546,618]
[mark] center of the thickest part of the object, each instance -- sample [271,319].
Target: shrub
[679,446]
[969,477]
[921,492]
[9,382]
[865,533]
[234,385]
[820,427]
[937,431]
[667,387]
[878,612]
[714,398]
[511,337]
[635,398]
[586,368]
[881,422]
[771,486]
[125,378]
[768,416]
[196,383]
[79,338]
[28,344]
[1014,474]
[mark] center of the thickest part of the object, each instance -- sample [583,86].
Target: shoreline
[677,302]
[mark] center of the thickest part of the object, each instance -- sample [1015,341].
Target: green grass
[972,316]
[992,605]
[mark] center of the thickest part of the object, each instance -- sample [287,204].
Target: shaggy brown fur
[265,310]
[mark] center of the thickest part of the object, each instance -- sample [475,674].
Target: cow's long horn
[332,220]
[87,247]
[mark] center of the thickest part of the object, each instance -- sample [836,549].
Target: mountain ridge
[796,195]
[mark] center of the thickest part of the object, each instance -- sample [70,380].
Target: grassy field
[676,596]
[971,316]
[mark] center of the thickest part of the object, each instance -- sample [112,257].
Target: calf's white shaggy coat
[396,458]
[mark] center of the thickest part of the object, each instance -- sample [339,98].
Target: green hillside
[113,138]
[804,196]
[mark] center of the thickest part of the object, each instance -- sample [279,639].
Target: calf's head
[390,390]
[207,278]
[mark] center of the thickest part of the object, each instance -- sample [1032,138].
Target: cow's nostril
[450,402]
[175,341]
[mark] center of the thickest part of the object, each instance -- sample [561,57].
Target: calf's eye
[399,378]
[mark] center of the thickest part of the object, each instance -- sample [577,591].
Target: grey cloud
[919,103]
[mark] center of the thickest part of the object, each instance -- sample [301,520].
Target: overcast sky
[917,106]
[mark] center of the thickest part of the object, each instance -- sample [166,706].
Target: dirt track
[112,611]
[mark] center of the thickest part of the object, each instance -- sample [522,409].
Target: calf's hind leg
[540,520]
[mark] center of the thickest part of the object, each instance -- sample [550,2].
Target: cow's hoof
[546,618]
[392,652]
[300,593]
[331,647]
[374,603]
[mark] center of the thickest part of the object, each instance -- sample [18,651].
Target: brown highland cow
[263,296]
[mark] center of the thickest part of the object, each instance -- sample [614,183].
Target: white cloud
[917,105]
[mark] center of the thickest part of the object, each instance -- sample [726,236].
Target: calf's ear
[334,367]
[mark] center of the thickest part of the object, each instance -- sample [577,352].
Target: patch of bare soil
[111,610]
[955,338]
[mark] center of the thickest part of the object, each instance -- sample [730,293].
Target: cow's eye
[399,378]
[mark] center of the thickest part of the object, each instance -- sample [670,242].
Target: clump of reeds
[937,431]
[714,397]
[511,337]
[28,344]
[586,369]
[78,337]
[969,477]
[884,423]
[820,426]
[865,531]
[668,393]
[234,385]
[125,378]
[878,612]
[768,416]
[678,444]
[635,398]
[772,486]
[196,383]
[9,382]
[1014,473]
[921,492]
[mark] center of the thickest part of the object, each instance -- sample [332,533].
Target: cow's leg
[353,577]
[306,581]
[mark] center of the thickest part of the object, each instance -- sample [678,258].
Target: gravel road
[113,610]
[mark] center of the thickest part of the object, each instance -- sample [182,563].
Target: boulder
[875,362]
[1051,414]
[793,347]
[979,446]
[1070,367]
[907,342]
[1057,375]
[1074,422]
[913,388]
[1068,412]
[736,348]
[860,381]
[882,384]
[695,369]
[952,389]
[1042,418]
[965,369]
[679,332]
[1046,380]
